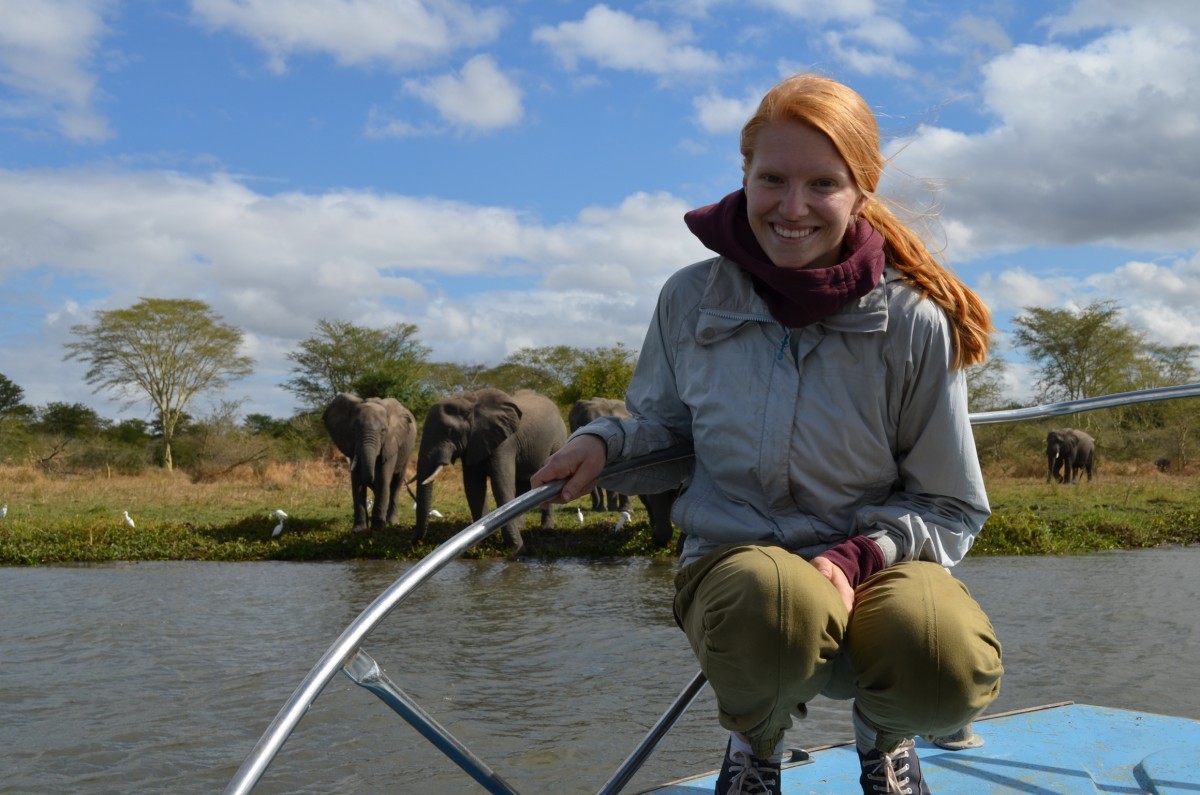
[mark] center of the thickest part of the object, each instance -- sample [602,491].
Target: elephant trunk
[424,501]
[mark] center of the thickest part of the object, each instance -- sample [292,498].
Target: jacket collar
[730,300]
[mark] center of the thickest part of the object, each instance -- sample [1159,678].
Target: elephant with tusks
[1069,453]
[501,439]
[378,436]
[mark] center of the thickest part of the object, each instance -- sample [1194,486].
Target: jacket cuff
[858,557]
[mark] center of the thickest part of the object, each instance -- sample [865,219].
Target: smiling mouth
[792,234]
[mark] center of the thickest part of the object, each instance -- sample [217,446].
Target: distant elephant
[583,412]
[658,506]
[500,438]
[1068,453]
[378,436]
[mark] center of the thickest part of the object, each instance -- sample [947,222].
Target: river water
[160,677]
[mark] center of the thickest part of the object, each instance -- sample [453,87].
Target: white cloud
[355,32]
[480,97]
[720,114]
[45,49]
[820,10]
[617,40]
[1090,145]
[273,265]
[1091,14]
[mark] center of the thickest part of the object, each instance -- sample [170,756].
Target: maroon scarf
[796,298]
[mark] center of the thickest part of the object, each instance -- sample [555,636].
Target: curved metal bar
[1086,404]
[344,648]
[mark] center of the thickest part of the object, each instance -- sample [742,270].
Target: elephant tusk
[436,472]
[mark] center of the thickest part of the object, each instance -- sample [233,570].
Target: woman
[816,366]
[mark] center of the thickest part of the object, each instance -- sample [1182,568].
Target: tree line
[164,353]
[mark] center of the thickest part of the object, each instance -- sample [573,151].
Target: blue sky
[505,175]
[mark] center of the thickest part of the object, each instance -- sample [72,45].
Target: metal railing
[347,655]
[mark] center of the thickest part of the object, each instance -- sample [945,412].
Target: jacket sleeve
[939,504]
[660,418]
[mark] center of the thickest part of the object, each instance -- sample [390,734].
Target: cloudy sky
[514,174]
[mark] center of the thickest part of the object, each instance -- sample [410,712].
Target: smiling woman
[815,368]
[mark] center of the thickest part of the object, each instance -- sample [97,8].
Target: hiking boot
[897,773]
[743,774]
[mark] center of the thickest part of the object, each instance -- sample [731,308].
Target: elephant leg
[658,508]
[597,499]
[504,491]
[382,498]
[393,492]
[358,493]
[475,487]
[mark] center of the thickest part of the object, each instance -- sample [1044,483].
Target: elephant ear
[400,424]
[339,421]
[495,418]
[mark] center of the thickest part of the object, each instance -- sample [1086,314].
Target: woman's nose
[794,203]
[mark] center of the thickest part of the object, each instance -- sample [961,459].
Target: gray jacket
[804,437]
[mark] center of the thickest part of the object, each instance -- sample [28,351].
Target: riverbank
[79,518]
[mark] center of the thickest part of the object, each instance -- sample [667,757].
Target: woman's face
[800,196]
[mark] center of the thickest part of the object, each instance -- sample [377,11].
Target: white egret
[435,513]
[4,510]
[129,520]
[579,513]
[278,514]
[625,517]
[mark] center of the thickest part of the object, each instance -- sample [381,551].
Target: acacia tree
[600,372]
[1080,354]
[11,396]
[343,357]
[169,350]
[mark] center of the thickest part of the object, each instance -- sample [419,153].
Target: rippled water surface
[160,677]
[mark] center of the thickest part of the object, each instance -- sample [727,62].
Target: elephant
[1069,453]
[378,436]
[583,412]
[658,506]
[500,438]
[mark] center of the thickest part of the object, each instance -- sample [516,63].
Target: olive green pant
[918,656]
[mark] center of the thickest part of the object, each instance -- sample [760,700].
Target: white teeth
[794,234]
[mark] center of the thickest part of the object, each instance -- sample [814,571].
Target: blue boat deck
[1055,750]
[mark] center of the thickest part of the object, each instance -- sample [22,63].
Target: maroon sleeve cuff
[858,557]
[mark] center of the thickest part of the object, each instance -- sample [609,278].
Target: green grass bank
[66,519]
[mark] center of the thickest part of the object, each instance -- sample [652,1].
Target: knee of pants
[925,655]
[765,627]
[763,603]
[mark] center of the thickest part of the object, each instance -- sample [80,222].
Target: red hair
[843,115]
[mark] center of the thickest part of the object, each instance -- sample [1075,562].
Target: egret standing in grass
[4,511]
[280,515]
[129,520]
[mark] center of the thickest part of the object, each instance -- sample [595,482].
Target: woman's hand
[579,461]
[835,575]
